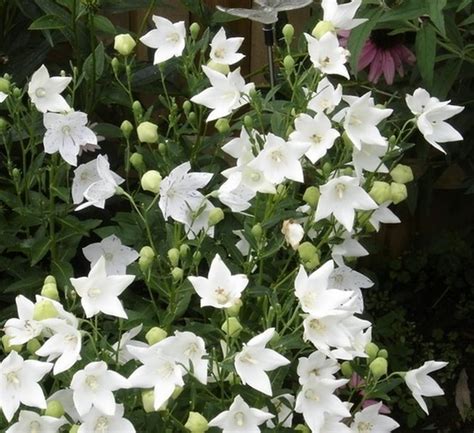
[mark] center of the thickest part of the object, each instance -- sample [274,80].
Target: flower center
[173,37]
[247,357]
[277,156]
[326,61]
[354,121]
[340,189]
[255,176]
[338,279]
[221,296]
[92,383]
[311,395]
[102,425]
[309,299]
[70,339]
[35,427]
[12,378]
[239,418]
[66,130]
[108,257]
[166,370]
[365,427]
[316,325]
[316,138]
[94,292]
[191,350]
[219,53]
[40,92]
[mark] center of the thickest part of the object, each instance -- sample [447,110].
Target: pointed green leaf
[47,22]
[426,52]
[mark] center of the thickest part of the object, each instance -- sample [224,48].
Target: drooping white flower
[431,114]
[341,197]
[249,177]
[349,247]
[334,424]
[327,55]
[19,383]
[235,194]
[240,147]
[370,420]
[240,418]
[326,98]
[127,340]
[95,183]
[313,293]
[368,158]
[45,91]
[361,119]
[3,96]
[224,50]
[284,404]
[316,133]
[255,359]
[64,345]
[66,133]
[383,215]
[421,385]
[179,192]
[220,289]
[342,16]
[316,399]
[117,256]
[99,292]
[159,371]
[169,39]
[359,340]
[96,421]
[293,233]
[31,422]
[279,160]
[226,94]
[24,328]
[93,387]
[316,365]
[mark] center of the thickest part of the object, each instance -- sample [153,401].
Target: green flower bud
[233,311]
[392,139]
[322,28]
[44,309]
[126,128]
[194,30]
[74,428]
[4,85]
[380,192]
[137,161]
[257,231]
[151,181]
[232,327]
[177,274]
[50,289]
[155,335]
[162,148]
[379,367]
[17,92]
[223,126]
[137,108]
[327,168]
[289,64]
[218,67]
[184,251]
[115,65]
[173,256]
[124,44]
[383,353]
[54,409]
[147,132]
[147,256]
[402,173]
[196,423]
[197,256]
[346,369]
[372,350]
[347,141]
[302,428]
[177,392]
[398,192]
[3,124]
[311,196]
[216,215]
[288,33]
[32,346]
[309,255]
[148,401]
[7,347]
[248,122]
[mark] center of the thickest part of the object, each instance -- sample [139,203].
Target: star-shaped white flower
[316,133]
[235,194]
[327,55]
[255,359]
[341,197]
[169,39]
[93,387]
[326,98]
[97,422]
[368,158]
[240,418]
[342,16]
[349,247]
[31,422]
[383,215]
[179,192]
[316,365]
[421,384]
[220,289]
[24,328]
[328,331]
[99,292]
[45,91]
[224,50]
[117,256]
[126,341]
[226,94]
[370,420]
[19,383]
[66,133]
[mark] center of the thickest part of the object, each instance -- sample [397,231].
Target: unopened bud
[4,85]
[248,122]
[148,401]
[216,215]
[233,311]
[223,126]
[162,148]
[187,106]
[17,92]
[346,369]
[311,196]
[124,44]
[3,124]
[289,64]
[137,161]
[383,353]
[44,309]
[155,335]
[288,33]
[194,30]
[257,231]
[398,192]
[302,428]
[126,128]
[197,256]
[232,327]
[347,141]
[402,173]
[177,274]
[184,251]
[147,255]
[379,367]
[322,28]
[196,423]
[33,345]
[137,108]
[380,192]
[372,350]
[115,65]
[192,117]
[327,168]
[7,347]
[151,181]
[50,289]
[147,132]
[54,409]
[173,256]
[218,67]
[307,251]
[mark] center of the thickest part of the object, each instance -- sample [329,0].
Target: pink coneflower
[385,55]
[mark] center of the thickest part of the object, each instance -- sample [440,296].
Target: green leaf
[463,5]
[360,35]
[409,10]
[108,130]
[119,6]
[104,25]
[449,72]
[426,52]
[436,14]
[91,71]
[47,22]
